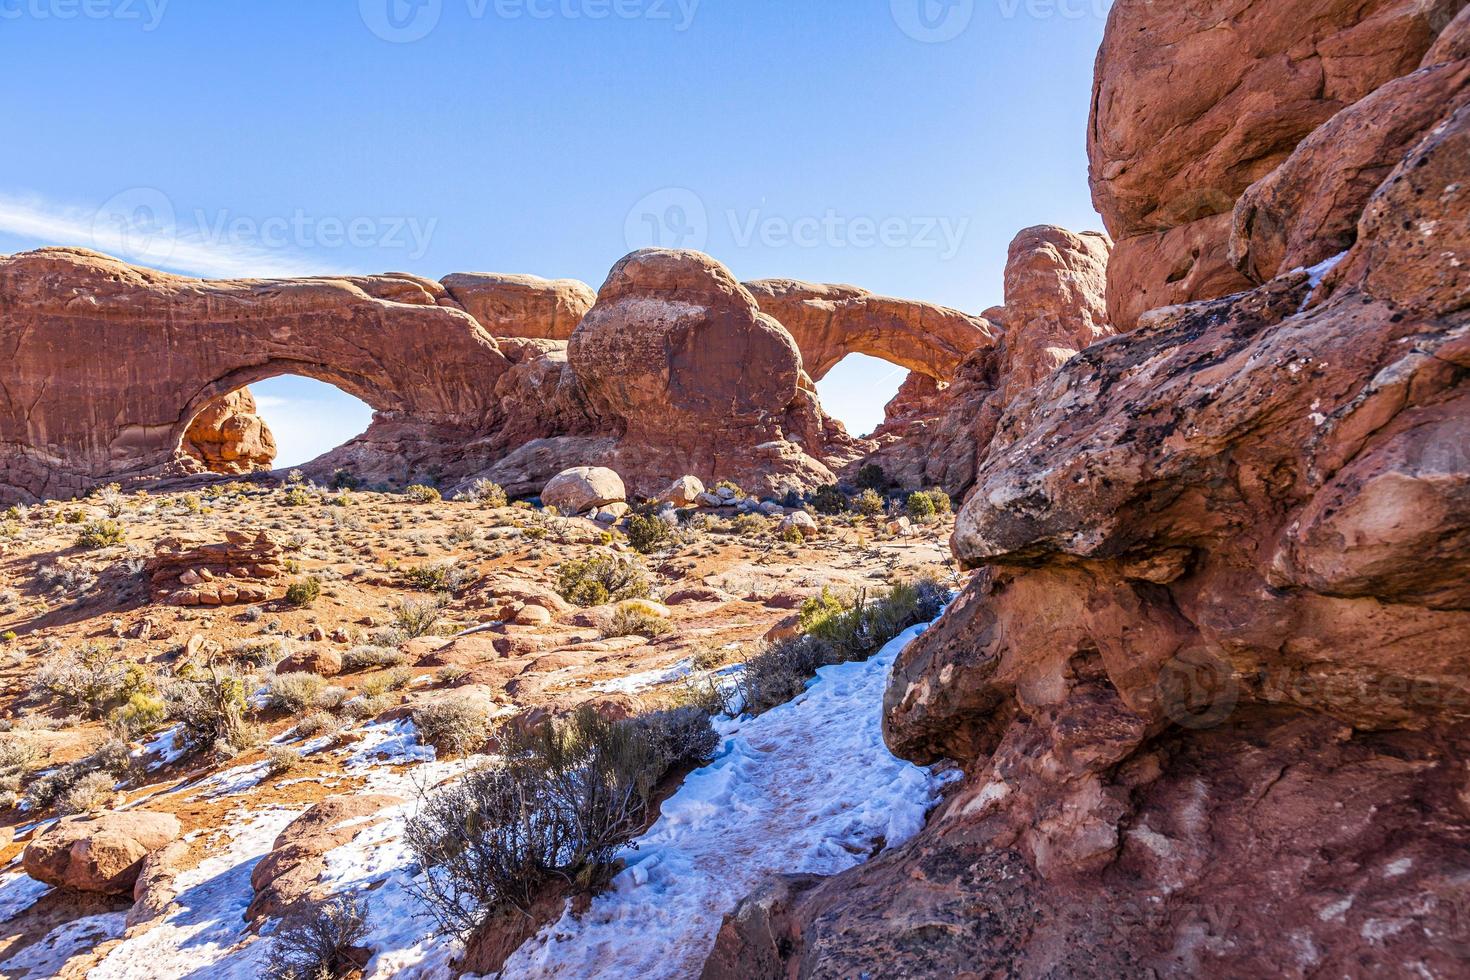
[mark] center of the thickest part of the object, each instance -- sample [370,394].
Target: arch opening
[857,390]
[280,421]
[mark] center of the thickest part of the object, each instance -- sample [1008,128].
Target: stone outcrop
[1055,281]
[509,305]
[227,436]
[679,361]
[103,366]
[828,322]
[1209,686]
[290,874]
[1194,102]
[584,488]
[101,853]
[244,568]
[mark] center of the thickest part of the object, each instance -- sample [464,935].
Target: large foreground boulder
[583,488]
[102,853]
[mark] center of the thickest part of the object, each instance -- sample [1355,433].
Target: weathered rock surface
[510,305]
[102,853]
[828,322]
[678,358]
[1194,102]
[290,874]
[1210,684]
[243,568]
[229,437]
[103,367]
[584,488]
[1055,305]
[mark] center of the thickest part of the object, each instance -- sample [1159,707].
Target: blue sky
[894,144]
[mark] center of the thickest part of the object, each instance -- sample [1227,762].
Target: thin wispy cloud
[139,226]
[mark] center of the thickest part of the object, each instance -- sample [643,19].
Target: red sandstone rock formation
[229,437]
[1196,101]
[521,306]
[241,569]
[1210,685]
[1054,286]
[100,853]
[829,322]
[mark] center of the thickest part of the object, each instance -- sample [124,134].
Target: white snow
[18,892]
[393,743]
[807,787]
[166,747]
[636,683]
[46,957]
[202,932]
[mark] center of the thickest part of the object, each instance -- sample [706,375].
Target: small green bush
[421,494]
[439,576]
[869,503]
[368,657]
[648,533]
[304,591]
[455,723]
[920,506]
[871,477]
[296,692]
[600,579]
[96,535]
[829,500]
[629,621]
[296,496]
[94,679]
[486,493]
[414,619]
[212,709]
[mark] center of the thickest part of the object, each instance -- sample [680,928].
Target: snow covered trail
[807,787]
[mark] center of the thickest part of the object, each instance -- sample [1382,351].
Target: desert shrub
[414,619]
[648,533]
[450,674]
[920,506]
[369,656]
[388,681]
[143,712]
[791,534]
[281,759]
[730,485]
[316,723]
[941,500]
[259,652]
[295,692]
[557,805]
[212,709]
[93,680]
[421,494]
[485,492]
[601,579]
[112,761]
[869,503]
[344,480]
[871,477]
[296,496]
[304,591]
[110,498]
[680,736]
[458,723]
[93,792]
[829,500]
[362,708]
[632,621]
[95,535]
[440,576]
[834,632]
[319,944]
[18,756]
[750,526]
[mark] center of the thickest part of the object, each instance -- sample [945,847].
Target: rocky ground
[421,601]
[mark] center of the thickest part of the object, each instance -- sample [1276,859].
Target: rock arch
[831,321]
[103,366]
